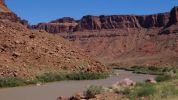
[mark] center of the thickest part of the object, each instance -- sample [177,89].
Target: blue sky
[46,10]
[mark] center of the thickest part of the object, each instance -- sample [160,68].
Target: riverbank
[51,77]
[164,87]
[166,90]
[51,91]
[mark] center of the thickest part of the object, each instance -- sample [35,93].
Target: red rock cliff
[104,22]
[173,16]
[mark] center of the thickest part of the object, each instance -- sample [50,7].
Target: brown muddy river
[51,91]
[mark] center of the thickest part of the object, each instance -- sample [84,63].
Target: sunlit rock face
[3,7]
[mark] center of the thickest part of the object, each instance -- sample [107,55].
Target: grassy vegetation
[162,78]
[92,91]
[165,89]
[153,70]
[141,90]
[11,82]
[163,74]
[51,77]
[162,91]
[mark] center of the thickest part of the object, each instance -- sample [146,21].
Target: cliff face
[174,15]
[110,22]
[120,22]
[104,22]
[123,39]
[66,24]
[57,26]
[172,26]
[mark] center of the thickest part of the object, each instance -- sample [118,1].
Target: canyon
[116,40]
[122,40]
[66,49]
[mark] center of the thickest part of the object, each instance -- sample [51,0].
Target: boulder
[151,80]
[123,83]
[61,98]
[16,54]
[77,96]
[38,84]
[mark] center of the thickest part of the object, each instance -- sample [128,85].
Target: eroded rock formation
[123,39]
[104,22]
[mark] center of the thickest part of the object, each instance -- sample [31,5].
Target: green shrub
[169,90]
[146,90]
[47,77]
[11,82]
[32,81]
[163,78]
[92,91]
[126,91]
[142,90]
[77,76]
[153,70]
[86,76]
[51,77]
[60,76]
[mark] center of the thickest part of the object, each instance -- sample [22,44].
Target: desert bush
[51,77]
[169,90]
[163,78]
[154,70]
[166,91]
[47,77]
[126,91]
[92,91]
[86,76]
[142,90]
[11,82]
[146,90]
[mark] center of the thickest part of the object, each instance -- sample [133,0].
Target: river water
[51,91]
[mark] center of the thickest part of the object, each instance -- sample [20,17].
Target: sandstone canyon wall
[123,39]
[104,22]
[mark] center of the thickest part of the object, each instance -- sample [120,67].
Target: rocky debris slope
[25,52]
